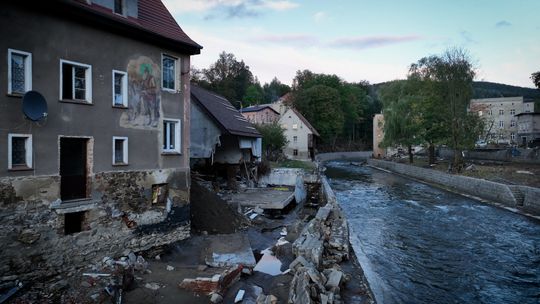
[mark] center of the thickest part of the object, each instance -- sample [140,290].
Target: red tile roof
[153,17]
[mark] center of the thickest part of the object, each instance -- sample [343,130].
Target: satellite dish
[34,106]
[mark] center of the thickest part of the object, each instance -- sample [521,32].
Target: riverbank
[522,199]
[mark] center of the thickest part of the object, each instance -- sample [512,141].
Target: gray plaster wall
[50,39]
[204,133]
[519,197]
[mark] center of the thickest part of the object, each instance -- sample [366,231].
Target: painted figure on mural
[144,95]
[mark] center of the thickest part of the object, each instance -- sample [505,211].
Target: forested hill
[484,89]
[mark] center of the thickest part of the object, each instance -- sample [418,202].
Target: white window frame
[295,126]
[27,71]
[125,145]
[124,89]
[88,82]
[175,81]
[501,112]
[512,123]
[177,137]
[501,124]
[28,148]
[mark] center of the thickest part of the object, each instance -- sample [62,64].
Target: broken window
[120,150]
[171,135]
[120,89]
[168,66]
[20,151]
[75,81]
[73,222]
[160,192]
[19,72]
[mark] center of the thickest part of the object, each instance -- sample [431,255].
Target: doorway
[73,168]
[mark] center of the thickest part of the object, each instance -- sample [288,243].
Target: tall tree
[254,95]
[274,90]
[536,79]
[273,139]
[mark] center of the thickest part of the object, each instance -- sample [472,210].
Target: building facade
[300,134]
[500,119]
[528,128]
[260,114]
[110,159]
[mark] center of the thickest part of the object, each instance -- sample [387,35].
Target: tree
[274,90]
[227,76]
[536,79]
[273,139]
[321,106]
[451,76]
[254,95]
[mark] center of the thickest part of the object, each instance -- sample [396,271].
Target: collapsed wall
[129,211]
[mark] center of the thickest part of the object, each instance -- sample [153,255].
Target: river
[420,244]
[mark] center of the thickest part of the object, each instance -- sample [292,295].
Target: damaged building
[103,168]
[220,134]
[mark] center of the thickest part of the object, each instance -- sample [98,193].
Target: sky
[373,40]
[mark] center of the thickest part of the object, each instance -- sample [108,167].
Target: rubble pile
[321,246]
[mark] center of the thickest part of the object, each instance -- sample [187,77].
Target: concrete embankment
[522,198]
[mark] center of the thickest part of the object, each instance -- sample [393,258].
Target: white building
[300,135]
[499,115]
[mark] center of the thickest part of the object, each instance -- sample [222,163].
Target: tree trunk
[431,153]
[458,161]
[410,154]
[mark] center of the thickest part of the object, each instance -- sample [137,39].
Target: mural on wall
[144,98]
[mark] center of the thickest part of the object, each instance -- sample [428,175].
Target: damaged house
[94,160]
[219,132]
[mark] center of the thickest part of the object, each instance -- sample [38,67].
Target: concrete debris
[323,213]
[216,298]
[170,268]
[152,286]
[219,283]
[239,296]
[524,172]
[470,168]
[28,236]
[334,279]
[96,275]
[264,299]
[283,231]
[230,250]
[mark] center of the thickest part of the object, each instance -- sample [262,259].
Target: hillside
[484,89]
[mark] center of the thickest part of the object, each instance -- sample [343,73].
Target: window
[512,111]
[119,7]
[512,123]
[480,113]
[171,135]
[295,138]
[19,151]
[501,112]
[119,85]
[120,151]
[513,136]
[501,124]
[490,112]
[19,72]
[295,152]
[295,126]
[75,81]
[168,67]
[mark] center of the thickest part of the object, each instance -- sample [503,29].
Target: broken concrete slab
[229,250]
[334,279]
[263,198]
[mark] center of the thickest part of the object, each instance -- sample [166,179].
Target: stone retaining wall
[520,197]
[119,218]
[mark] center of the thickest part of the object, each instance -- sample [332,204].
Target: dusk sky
[364,40]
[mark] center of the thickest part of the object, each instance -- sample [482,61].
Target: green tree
[321,106]
[273,139]
[254,95]
[536,79]
[274,90]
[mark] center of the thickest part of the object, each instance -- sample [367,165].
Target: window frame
[123,8]
[176,65]
[28,151]
[88,82]
[501,112]
[124,89]
[178,138]
[501,124]
[295,139]
[125,145]
[27,71]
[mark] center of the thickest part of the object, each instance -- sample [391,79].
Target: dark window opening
[295,152]
[18,151]
[160,192]
[73,158]
[119,7]
[74,82]
[73,222]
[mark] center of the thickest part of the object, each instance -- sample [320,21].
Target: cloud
[287,40]
[371,41]
[503,23]
[228,8]
[319,16]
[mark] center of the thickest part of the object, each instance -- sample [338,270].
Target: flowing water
[419,244]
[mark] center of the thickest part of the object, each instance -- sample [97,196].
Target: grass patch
[292,163]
